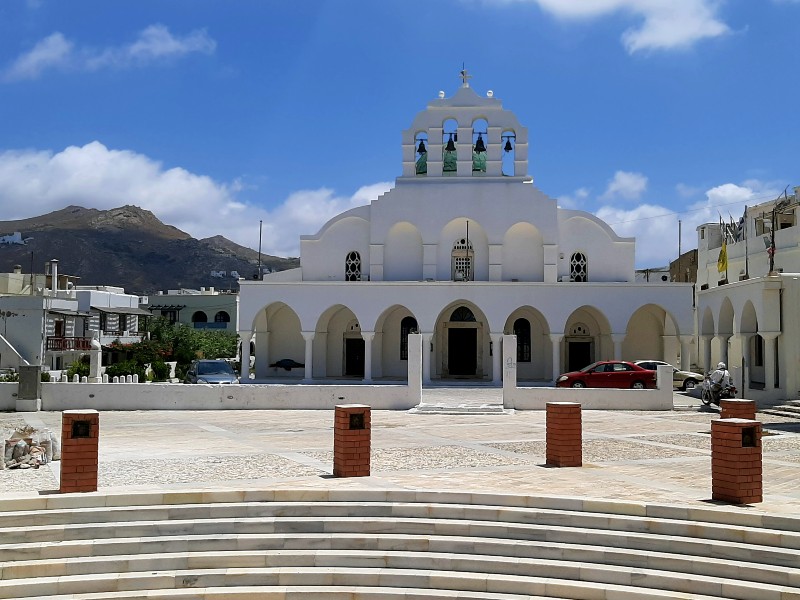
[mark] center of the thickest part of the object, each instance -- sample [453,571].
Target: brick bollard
[738,409]
[736,474]
[564,434]
[80,434]
[351,440]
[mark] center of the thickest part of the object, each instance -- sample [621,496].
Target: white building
[206,308]
[463,249]
[747,313]
[48,320]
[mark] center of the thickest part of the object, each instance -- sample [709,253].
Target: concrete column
[769,358]
[722,340]
[368,337]
[556,338]
[746,338]
[686,352]
[415,367]
[509,370]
[308,336]
[427,340]
[245,354]
[497,357]
[617,338]
[705,342]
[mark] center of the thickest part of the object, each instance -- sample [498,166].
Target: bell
[422,149]
[479,145]
[508,147]
[451,147]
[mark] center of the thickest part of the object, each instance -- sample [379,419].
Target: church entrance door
[462,351]
[579,354]
[354,357]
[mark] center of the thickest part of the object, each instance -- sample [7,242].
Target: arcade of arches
[460,344]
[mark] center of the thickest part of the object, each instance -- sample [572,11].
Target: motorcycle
[712,393]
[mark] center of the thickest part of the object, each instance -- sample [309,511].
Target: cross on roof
[465,77]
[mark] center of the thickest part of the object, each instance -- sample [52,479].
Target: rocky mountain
[128,247]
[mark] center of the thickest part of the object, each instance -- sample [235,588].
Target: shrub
[45,376]
[128,367]
[160,370]
[80,368]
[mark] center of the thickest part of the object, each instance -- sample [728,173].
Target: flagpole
[746,256]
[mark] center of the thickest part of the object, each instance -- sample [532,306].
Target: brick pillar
[351,440]
[738,409]
[564,434]
[736,474]
[80,434]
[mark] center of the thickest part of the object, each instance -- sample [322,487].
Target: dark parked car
[210,371]
[609,374]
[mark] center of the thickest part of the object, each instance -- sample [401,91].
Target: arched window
[462,258]
[522,329]
[352,267]
[578,267]
[222,317]
[407,325]
[509,142]
[449,151]
[422,153]
[462,315]
[480,128]
[199,317]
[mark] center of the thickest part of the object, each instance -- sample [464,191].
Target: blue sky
[215,115]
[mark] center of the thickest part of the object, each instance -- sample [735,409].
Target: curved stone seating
[388,544]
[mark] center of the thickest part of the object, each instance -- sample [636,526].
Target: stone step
[531,560]
[460,409]
[523,541]
[578,585]
[276,541]
[435,518]
[305,593]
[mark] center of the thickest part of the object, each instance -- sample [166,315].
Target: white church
[463,249]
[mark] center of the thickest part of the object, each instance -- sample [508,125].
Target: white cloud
[653,226]
[37,182]
[625,185]
[154,43]
[575,199]
[664,24]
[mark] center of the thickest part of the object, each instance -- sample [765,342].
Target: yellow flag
[722,261]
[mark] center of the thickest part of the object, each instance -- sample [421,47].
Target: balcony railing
[67,344]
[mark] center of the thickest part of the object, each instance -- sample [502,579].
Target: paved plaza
[627,455]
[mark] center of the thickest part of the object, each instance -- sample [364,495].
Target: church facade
[463,249]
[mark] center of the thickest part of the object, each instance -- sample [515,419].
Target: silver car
[210,371]
[684,380]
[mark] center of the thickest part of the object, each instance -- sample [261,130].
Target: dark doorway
[580,355]
[462,351]
[354,357]
[59,329]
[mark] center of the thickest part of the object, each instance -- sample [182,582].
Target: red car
[609,374]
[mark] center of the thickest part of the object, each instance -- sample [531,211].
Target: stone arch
[461,344]
[753,347]
[644,334]
[402,253]
[587,338]
[278,336]
[707,322]
[388,345]
[454,233]
[480,141]
[199,316]
[450,146]
[523,253]
[726,317]
[338,344]
[540,365]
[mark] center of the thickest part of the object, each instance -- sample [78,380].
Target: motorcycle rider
[720,379]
